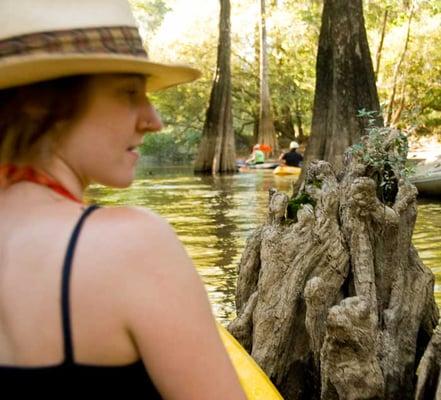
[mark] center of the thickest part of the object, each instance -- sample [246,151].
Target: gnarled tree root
[336,303]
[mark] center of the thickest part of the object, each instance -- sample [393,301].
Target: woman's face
[101,145]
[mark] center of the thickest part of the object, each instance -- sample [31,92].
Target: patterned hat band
[122,40]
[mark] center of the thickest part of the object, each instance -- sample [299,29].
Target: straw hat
[47,39]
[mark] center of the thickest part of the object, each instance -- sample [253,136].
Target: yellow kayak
[286,170]
[255,383]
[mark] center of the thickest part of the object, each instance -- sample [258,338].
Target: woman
[94,302]
[257,156]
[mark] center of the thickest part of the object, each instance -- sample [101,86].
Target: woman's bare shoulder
[144,238]
[133,223]
[147,263]
[137,252]
[137,217]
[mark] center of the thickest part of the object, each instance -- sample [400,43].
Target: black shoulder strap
[65,289]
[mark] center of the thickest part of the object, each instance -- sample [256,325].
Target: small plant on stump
[382,165]
[296,203]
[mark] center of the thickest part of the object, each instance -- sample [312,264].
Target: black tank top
[70,379]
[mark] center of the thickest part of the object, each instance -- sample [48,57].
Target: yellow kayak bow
[255,383]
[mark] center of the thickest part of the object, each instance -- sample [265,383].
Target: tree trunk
[397,113]
[380,46]
[267,133]
[217,151]
[256,129]
[257,62]
[283,123]
[345,83]
[301,135]
[390,107]
[332,299]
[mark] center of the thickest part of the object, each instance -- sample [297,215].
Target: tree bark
[283,123]
[380,46]
[217,151]
[429,378]
[300,133]
[345,83]
[257,50]
[332,299]
[267,132]
[390,107]
[397,113]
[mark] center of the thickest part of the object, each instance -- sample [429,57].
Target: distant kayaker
[291,158]
[257,156]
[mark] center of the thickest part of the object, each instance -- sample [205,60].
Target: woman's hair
[29,114]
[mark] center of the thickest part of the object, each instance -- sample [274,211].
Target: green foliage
[423,83]
[183,107]
[384,151]
[293,28]
[170,146]
[315,182]
[292,62]
[419,80]
[297,203]
[150,14]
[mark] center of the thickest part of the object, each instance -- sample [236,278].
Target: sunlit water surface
[213,216]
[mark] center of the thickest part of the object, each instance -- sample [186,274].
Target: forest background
[407,71]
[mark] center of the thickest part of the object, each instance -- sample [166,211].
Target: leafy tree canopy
[176,32]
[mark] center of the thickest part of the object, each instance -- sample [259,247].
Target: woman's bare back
[33,243]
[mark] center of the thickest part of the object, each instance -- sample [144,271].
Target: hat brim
[23,70]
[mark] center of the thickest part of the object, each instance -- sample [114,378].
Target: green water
[213,216]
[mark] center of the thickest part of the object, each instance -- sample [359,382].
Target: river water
[214,215]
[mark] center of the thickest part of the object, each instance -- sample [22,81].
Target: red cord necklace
[10,174]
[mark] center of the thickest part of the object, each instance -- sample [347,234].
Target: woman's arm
[251,159]
[170,318]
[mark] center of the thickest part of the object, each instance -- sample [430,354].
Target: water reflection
[213,216]
[427,239]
